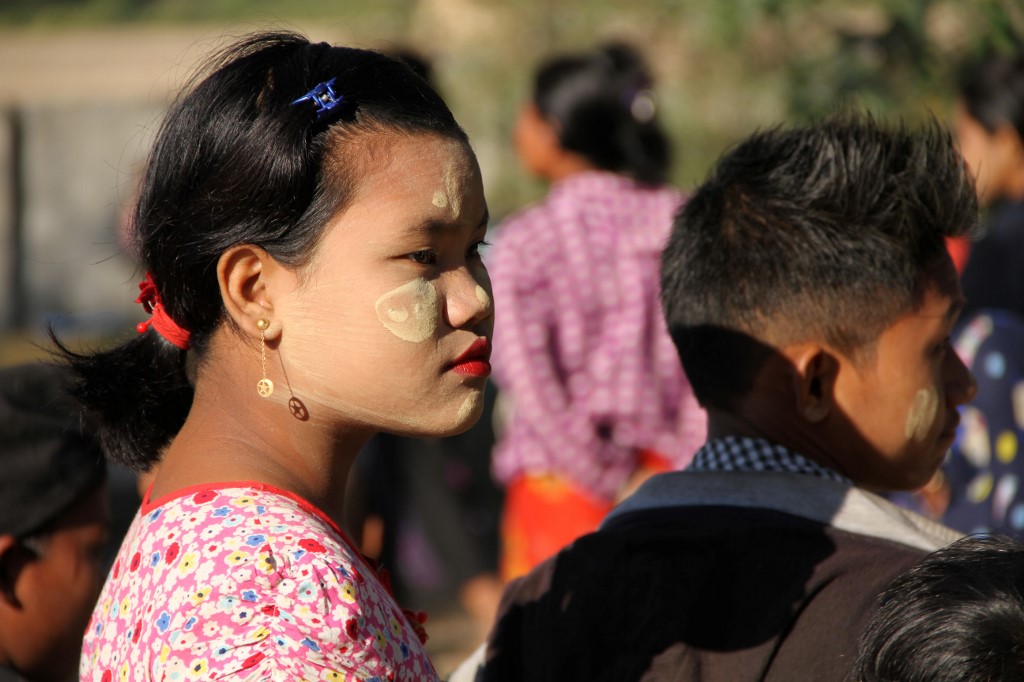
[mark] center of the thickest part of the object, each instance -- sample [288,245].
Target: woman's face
[391,325]
[535,140]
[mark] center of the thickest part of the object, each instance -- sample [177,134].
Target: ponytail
[136,395]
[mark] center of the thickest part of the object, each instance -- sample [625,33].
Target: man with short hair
[54,522]
[808,291]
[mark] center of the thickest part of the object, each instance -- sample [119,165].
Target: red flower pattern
[325,572]
[311,545]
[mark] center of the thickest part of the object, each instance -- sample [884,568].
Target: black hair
[992,92]
[419,63]
[234,162]
[602,105]
[826,232]
[957,616]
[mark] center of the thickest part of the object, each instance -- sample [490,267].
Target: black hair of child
[992,92]
[958,615]
[234,162]
[824,232]
[602,105]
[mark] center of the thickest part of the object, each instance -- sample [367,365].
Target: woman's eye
[423,257]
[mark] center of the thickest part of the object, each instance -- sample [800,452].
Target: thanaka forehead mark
[456,172]
[451,185]
[432,228]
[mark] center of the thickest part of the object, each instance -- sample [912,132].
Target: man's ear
[13,558]
[814,377]
[250,281]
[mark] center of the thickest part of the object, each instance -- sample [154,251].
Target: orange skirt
[542,515]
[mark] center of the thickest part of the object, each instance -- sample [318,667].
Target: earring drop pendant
[265,387]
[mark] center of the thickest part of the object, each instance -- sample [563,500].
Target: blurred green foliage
[725,67]
[92,12]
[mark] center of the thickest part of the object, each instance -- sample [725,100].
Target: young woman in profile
[599,400]
[310,222]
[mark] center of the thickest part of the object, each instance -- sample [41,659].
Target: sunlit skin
[864,417]
[42,621]
[327,345]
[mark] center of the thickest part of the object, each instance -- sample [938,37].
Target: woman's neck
[233,434]
[566,164]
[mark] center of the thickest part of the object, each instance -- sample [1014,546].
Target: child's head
[958,615]
[54,522]
[828,238]
[600,106]
[990,126]
[352,230]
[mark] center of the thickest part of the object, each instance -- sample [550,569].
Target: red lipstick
[475,360]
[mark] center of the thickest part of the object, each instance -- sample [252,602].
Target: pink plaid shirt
[580,345]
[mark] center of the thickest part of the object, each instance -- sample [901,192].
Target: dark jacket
[712,577]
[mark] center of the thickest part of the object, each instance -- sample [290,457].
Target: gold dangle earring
[265,387]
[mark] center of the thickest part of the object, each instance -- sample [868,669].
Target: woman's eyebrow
[433,227]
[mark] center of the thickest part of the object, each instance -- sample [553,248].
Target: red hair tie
[161,321]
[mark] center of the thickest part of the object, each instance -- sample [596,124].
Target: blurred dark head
[990,126]
[53,523]
[602,107]
[992,92]
[47,461]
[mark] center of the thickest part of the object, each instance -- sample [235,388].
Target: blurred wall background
[83,84]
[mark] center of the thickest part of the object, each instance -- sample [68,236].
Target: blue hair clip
[324,97]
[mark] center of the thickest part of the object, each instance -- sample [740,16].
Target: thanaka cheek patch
[471,409]
[410,311]
[922,414]
[483,297]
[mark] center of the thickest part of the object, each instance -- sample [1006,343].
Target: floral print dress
[243,581]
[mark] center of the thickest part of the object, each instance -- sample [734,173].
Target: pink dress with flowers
[242,581]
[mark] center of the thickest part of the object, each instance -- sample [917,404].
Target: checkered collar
[733,453]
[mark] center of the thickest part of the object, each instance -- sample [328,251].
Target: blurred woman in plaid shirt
[598,398]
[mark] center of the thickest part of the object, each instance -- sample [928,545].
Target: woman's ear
[814,378]
[251,281]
